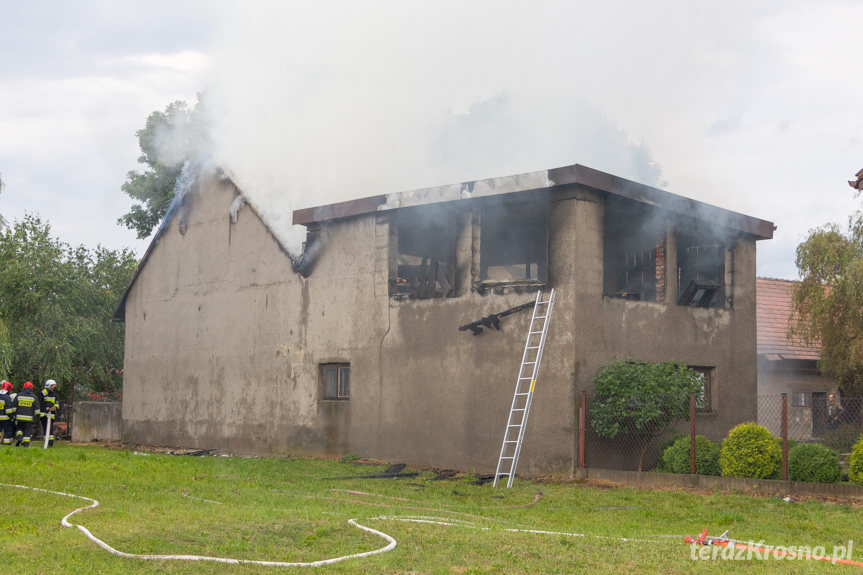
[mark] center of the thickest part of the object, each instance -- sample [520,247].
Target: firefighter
[48,399]
[26,411]
[7,413]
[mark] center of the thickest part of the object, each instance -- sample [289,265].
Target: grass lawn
[298,510]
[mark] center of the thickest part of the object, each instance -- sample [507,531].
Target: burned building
[358,350]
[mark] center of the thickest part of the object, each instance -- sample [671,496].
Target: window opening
[633,252]
[423,265]
[702,399]
[800,398]
[514,244]
[336,381]
[700,271]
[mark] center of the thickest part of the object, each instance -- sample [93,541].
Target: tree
[2,185]
[168,140]
[57,303]
[641,399]
[828,301]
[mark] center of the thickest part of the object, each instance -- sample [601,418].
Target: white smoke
[315,104]
[193,171]
[172,139]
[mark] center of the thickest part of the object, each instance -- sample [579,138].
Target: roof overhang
[575,175]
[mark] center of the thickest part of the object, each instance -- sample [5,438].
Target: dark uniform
[48,398]
[7,411]
[26,412]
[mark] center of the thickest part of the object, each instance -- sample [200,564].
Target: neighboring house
[228,347]
[788,366]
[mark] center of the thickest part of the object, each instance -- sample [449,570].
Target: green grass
[291,510]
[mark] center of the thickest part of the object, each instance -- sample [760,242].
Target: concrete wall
[224,342]
[94,420]
[770,487]
[774,379]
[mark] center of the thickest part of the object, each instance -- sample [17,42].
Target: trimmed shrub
[675,459]
[750,450]
[855,463]
[813,462]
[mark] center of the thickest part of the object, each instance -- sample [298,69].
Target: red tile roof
[773,312]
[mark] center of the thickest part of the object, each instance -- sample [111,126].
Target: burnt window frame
[343,381]
[497,220]
[430,233]
[633,231]
[701,276]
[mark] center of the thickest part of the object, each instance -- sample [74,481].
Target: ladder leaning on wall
[524,387]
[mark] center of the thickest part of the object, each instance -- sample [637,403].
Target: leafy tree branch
[167,141]
[641,400]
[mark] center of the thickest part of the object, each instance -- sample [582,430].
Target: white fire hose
[65,523]
[48,428]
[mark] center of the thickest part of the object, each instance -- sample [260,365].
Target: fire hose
[48,428]
[65,523]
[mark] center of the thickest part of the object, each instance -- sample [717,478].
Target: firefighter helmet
[7,385]
[50,383]
[28,385]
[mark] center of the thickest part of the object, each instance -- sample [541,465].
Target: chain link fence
[813,418]
[798,417]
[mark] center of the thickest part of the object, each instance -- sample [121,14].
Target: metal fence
[810,418]
[83,394]
[793,417]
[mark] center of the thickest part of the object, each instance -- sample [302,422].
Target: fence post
[784,437]
[582,413]
[692,433]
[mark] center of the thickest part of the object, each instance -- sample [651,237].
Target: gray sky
[753,106]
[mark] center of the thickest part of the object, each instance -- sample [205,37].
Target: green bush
[842,439]
[676,458]
[750,450]
[855,463]
[813,462]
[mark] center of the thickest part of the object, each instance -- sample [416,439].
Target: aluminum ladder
[524,387]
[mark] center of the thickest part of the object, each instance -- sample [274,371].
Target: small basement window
[422,260]
[514,243]
[335,381]
[702,399]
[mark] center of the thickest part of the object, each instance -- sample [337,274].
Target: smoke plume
[350,99]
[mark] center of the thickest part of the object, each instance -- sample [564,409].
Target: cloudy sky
[754,106]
